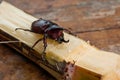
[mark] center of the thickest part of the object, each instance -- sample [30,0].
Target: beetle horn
[61,39]
[65,41]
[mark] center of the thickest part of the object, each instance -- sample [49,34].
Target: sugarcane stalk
[76,60]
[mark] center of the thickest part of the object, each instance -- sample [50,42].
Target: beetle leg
[45,42]
[34,44]
[45,46]
[70,32]
[22,29]
[37,42]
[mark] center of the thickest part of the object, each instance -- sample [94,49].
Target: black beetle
[48,29]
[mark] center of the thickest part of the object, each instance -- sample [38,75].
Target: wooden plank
[104,39]
[91,62]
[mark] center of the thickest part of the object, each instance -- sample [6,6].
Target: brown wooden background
[76,15]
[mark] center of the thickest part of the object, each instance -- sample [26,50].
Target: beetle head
[61,39]
[57,34]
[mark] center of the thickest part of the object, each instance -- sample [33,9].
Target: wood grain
[110,43]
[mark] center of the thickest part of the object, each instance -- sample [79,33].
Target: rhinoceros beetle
[48,29]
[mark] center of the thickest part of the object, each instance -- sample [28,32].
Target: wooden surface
[79,16]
